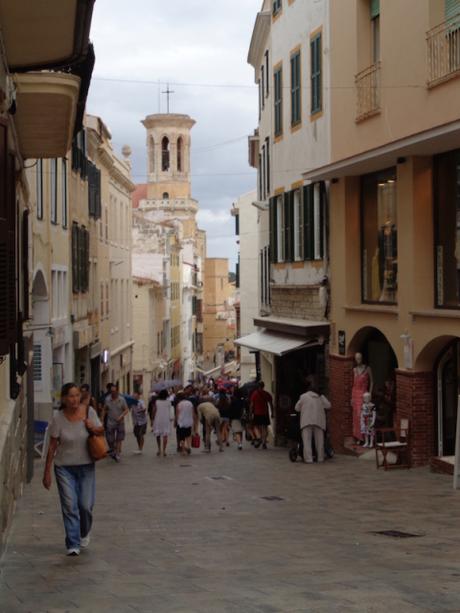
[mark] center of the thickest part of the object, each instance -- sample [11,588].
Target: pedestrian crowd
[219,412]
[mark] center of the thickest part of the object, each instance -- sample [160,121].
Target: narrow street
[240,532]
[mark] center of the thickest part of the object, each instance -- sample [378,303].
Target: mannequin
[362,383]
[368,414]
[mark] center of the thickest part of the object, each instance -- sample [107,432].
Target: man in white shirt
[312,407]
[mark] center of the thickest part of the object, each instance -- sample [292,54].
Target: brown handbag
[97,445]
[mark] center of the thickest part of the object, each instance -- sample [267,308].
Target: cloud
[198,46]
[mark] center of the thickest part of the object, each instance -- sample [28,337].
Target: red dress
[360,386]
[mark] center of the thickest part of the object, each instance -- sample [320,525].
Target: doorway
[448,376]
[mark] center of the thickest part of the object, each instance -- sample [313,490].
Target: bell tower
[168,156]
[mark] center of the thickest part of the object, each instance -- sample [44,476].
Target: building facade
[289,52]
[394,214]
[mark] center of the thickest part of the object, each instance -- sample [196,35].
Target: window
[79,160]
[298,226]
[379,237]
[267,68]
[39,189]
[260,188]
[80,258]
[280,228]
[165,196]
[262,85]
[151,155]
[447,228]
[64,192]
[179,154]
[295,89]
[94,191]
[375,30]
[316,63]
[265,276]
[262,171]
[53,190]
[165,154]
[259,83]
[276,7]
[267,166]
[278,101]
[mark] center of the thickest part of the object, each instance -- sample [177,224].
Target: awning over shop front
[273,342]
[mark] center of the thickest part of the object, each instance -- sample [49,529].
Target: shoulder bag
[97,445]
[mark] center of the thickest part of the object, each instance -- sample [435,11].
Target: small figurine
[368,414]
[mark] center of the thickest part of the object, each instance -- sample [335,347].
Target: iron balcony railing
[368,92]
[443,49]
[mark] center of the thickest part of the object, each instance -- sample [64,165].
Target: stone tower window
[165,154]
[179,153]
[165,196]
[151,155]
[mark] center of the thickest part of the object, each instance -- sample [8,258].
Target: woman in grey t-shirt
[73,466]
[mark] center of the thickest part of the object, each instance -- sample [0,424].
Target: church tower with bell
[168,164]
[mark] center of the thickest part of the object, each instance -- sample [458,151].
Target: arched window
[165,196]
[165,154]
[179,154]
[151,155]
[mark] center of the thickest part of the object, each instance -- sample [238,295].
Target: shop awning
[272,342]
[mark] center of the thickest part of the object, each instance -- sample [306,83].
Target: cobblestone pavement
[241,532]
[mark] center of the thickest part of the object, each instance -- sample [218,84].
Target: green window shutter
[375,8]
[309,226]
[322,217]
[273,231]
[316,78]
[295,88]
[278,101]
[289,226]
[75,268]
[451,8]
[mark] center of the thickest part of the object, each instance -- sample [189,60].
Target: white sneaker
[84,541]
[73,551]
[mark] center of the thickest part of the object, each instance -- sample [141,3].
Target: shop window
[379,237]
[447,228]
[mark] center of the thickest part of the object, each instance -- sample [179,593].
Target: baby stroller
[296,443]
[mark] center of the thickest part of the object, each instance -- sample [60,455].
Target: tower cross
[168,92]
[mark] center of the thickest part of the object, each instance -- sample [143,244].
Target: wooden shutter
[25,265]
[4,236]
[375,8]
[315,51]
[451,8]
[322,217]
[273,231]
[75,267]
[12,252]
[289,226]
[309,226]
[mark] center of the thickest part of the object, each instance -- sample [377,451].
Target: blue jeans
[77,488]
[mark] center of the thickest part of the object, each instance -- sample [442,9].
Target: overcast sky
[200,47]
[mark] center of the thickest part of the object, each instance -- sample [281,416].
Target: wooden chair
[394,440]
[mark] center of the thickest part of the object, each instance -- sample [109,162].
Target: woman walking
[238,407]
[186,420]
[73,467]
[161,418]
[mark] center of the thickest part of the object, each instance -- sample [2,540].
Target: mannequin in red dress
[362,383]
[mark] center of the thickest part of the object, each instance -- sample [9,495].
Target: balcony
[368,92]
[443,49]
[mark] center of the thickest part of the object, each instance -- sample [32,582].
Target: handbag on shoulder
[97,445]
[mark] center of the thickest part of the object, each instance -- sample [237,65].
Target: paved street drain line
[185,465]
[272,498]
[220,478]
[397,534]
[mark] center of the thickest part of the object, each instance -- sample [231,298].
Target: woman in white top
[73,466]
[162,416]
[186,419]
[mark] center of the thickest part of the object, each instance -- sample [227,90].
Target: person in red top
[261,403]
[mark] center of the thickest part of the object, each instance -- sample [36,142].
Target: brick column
[340,384]
[415,400]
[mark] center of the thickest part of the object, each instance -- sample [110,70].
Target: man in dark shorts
[139,417]
[261,403]
[116,409]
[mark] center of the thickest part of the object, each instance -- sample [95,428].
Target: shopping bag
[196,441]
